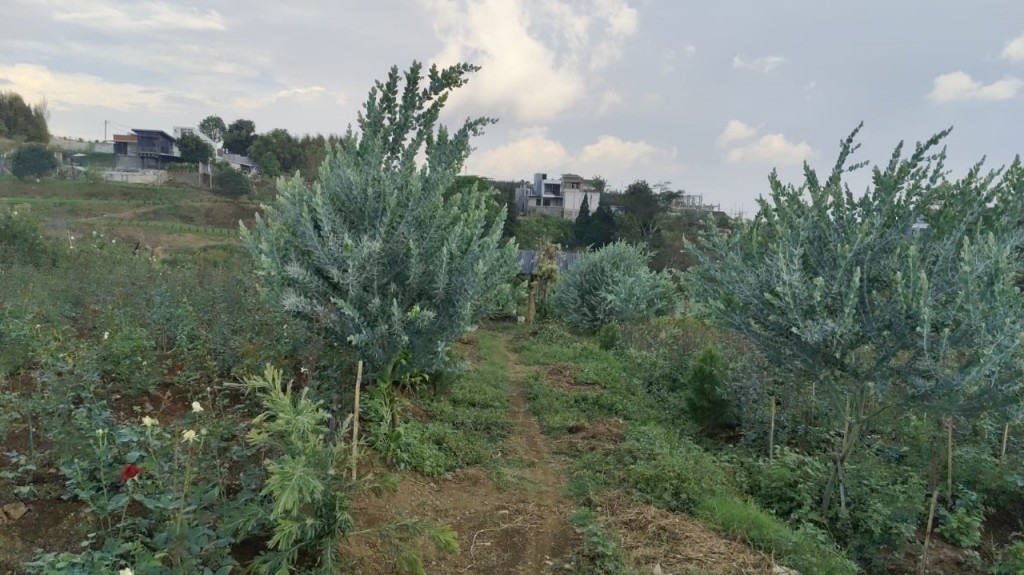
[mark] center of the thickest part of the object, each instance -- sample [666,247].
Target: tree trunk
[851,434]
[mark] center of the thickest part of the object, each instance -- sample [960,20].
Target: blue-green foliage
[376,252]
[613,284]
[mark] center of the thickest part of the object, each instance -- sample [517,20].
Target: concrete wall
[76,146]
[193,179]
[555,211]
[129,163]
[574,199]
[136,177]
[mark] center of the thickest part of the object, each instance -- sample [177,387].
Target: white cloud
[299,94]
[959,86]
[67,91]
[763,65]
[735,131]
[137,15]
[1014,50]
[773,149]
[537,57]
[534,150]
[64,91]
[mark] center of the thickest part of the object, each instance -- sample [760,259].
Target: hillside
[160,219]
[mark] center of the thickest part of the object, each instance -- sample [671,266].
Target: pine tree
[603,227]
[581,230]
[375,252]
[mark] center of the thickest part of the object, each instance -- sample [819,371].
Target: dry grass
[677,542]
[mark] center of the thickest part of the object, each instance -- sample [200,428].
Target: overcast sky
[706,95]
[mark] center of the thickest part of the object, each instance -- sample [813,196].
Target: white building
[562,197]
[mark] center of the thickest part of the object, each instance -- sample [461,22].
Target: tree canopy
[213,127]
[194,150]
[20,120]
[239,136]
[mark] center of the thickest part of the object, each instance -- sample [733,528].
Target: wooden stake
[531,304]
[771,435]
[1006,437]
[949,459]
[928,532]
[355,421]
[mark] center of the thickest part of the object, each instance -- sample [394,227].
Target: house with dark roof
[145,150]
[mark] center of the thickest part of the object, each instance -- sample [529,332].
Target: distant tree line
[21,121]
[276,152]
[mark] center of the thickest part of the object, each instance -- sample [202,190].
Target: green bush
[1009,560]
[532,231]
[608,336]
[32,161]
[962,525]
[21,240]
[705,402]
[613,284]
[126,360]
[229,182]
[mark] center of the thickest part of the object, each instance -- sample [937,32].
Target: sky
[707,96]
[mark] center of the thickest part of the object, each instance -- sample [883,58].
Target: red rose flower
[179,368]
[128,472]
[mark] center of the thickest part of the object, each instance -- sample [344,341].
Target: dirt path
[515,522]
[547,540]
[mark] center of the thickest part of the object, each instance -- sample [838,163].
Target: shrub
[32,161]
[705,402]
[377,253]
[608,336]
[962,525]
[20,240]
[229,182]
[1009,560]
[613,284]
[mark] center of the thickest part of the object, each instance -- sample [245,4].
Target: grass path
[509,509]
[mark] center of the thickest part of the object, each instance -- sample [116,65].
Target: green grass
[657,463]
[469,420]
[81,189]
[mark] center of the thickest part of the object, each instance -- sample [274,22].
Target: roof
[154,132]
[130,138]
[528,261]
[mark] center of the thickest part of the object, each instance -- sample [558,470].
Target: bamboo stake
[355,422]
[949,459]
[771,435]
[1006,437]
[928,532]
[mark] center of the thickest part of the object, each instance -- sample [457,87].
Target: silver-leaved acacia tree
[379,252]
[903,298]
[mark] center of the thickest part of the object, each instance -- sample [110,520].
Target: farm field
[550,452]
[369,376]
[105,339]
